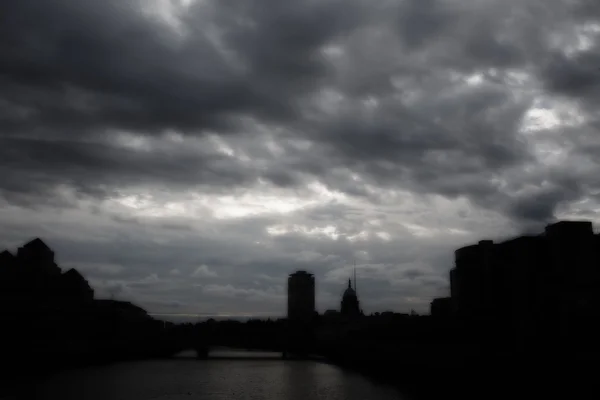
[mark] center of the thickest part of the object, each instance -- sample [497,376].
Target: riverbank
[475,372]
[491,378]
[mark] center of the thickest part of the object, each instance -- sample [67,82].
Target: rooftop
[36,244]
[301,272]
[6,255]
[123,305]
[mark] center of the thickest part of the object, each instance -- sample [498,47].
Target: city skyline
[36,257]
[188,155]
[481,276]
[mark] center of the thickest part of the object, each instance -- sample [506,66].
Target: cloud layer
[188,155]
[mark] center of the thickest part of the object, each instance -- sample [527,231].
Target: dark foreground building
[53,316]
[531,289]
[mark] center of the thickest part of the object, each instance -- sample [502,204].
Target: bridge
[201,349]
[268,344]
[238,354]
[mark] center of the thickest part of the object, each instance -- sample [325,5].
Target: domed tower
[350,304]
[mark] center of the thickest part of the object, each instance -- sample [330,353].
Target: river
[186,378]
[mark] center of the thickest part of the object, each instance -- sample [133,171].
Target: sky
[189,155]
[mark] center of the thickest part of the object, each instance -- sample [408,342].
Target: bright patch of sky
[576,40]
[544,127]
[329,231]
[168,12]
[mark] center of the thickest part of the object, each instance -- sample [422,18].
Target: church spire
[355,274]
[350,305]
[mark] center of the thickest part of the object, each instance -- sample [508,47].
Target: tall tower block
[301,296]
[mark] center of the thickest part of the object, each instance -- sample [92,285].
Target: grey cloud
[113,50]
[413,274]
[204,271]
[573,76]
[421,21]
[370,99]
[183,82]
[109,66]
[100,165]
[97,270]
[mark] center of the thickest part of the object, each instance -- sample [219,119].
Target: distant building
[121,318]
[124,309]
[331,316]
[301,296]
[441,307]
[350,306]
[331,313]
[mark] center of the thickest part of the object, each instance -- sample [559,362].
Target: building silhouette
[441,307]
[53,316]
[331,313]
[350,306]
[530,289]
[75,287]
[36,255]
[7,259]
[301,296]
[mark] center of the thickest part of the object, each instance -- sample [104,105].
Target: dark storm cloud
[578,76]
[97,168]
[373,100]
[124,71]
[76,69]
[280,43]
[79,68]
[538,206]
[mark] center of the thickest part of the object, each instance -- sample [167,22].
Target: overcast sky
[188,155]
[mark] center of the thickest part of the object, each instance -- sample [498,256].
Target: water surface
[190,379]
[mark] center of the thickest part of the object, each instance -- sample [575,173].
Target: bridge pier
[201,352]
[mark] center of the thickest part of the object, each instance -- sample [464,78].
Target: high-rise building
[301,296]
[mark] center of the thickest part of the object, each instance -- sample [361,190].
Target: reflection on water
[211,379]
[234,353]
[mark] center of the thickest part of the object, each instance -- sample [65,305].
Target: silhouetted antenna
[355,276]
